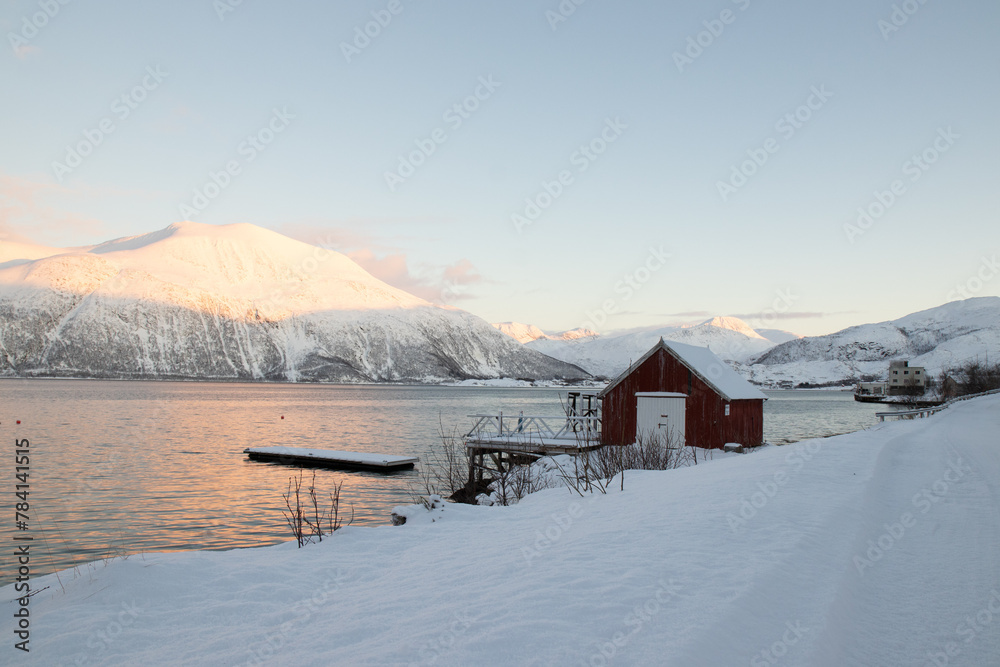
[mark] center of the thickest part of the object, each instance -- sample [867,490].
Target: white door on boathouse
[660,414]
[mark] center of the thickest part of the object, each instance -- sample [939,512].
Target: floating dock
[328,458]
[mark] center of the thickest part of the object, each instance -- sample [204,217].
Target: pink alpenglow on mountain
[235,302]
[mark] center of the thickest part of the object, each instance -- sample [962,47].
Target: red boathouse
[686,393]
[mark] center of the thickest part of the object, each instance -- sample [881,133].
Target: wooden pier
[327,458]
[507,440]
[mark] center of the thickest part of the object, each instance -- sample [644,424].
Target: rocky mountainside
[235,302]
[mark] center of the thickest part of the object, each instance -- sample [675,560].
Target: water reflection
[127,467]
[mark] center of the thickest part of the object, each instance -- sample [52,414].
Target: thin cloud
[340,238]
[772,315]
[27,211]
[441,285]
[23,51]
[386,260]
[692,313]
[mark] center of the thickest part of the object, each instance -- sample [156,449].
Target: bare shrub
[975,377]
[446,468]
[596,469]
[303,513]
[515,481]
[648,452]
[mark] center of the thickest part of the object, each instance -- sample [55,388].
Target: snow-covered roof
[701,361]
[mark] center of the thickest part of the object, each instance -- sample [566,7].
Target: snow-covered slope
[880,547]
[937,338]
[522,333]
[525,333]
[730,338]
[778,336]
[235,302]
[15,252]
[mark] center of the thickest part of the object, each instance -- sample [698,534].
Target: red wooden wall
[706,422]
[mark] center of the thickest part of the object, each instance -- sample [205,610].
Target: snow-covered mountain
[525,333]
[938,338]
[730,338]
[778,336]
[235,302]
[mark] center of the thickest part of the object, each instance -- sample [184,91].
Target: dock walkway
[508,440]
[328,458]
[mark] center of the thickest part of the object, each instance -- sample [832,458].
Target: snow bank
[875,548]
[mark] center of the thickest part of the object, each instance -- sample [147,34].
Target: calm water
[159,466]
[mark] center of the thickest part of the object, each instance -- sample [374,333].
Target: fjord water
[130,467]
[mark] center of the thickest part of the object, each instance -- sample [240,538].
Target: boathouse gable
[720,406]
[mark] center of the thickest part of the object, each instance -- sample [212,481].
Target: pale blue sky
[656,185]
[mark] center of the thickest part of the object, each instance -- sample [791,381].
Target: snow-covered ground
[875,548]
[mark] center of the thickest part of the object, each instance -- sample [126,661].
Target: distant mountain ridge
[937,338]
[730,338]
[525,333]
[235,302]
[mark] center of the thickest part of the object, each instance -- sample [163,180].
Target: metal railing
[535,428]
[927,412]
[909,414]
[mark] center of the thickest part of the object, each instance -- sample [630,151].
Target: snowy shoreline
[842,550]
